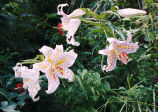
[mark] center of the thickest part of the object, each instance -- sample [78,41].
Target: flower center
[56,69]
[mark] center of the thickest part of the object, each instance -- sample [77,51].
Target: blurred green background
[26,25]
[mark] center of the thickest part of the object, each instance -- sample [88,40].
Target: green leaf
[4,93]
[52,15]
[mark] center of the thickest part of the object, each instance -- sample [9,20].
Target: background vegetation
[26,25]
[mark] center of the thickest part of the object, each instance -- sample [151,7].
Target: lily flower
[56,65]
[30,79]
[129,12]
[118,50]
[70,23]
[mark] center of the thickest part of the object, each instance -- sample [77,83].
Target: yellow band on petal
[123,46]
[49,60]
[61,61]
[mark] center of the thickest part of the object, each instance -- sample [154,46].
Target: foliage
[26,25]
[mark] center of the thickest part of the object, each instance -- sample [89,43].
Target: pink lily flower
[30,79]
[56,65]
[118,50]
[70,23]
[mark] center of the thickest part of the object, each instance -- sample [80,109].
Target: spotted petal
[123,57]
[72,27]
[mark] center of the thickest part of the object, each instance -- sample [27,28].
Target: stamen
[60,70]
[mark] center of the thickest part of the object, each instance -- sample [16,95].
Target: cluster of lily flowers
[57,62]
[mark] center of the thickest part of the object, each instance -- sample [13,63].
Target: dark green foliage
[26,25]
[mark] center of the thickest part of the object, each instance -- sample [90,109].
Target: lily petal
[18,68]
[58,51]
[33,88]
[46,51]
[53,83]
[104,51]
[67,60]
[123,57]
[71,40]
[123,46]
[111,62]
[60,9]
[67,74]
[77,13]
[112,40]
[127,47]
[42,66]
[72,27]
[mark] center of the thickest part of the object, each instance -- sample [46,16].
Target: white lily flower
[129,12]
[118,50]
[56,65]
[70,23]
[30,79]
